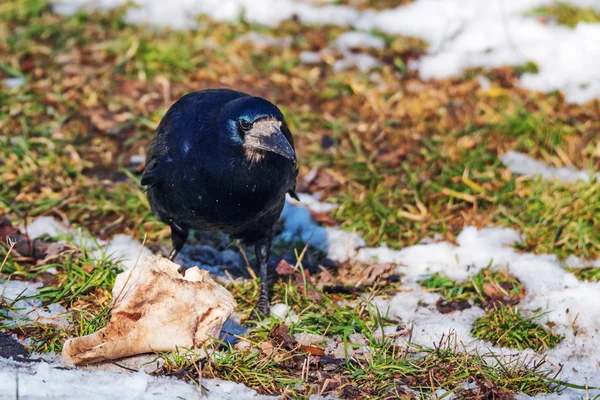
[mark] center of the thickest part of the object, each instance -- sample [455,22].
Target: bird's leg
[178,238]
[262,249]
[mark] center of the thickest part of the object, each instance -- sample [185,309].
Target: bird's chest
[224,197]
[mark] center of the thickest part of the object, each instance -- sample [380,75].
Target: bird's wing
[150,175]
[158,151]
[288,135]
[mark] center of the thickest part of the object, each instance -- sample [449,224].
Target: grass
[567,14]
[506,327]
[82,284]
[373,367]
[586,274]
[403,159]
[483,289]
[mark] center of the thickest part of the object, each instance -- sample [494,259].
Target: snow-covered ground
[461,33]
[572,305]
[522,164]
[52,380]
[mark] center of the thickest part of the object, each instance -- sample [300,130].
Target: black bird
[222,161]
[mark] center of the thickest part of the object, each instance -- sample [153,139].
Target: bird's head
[256,125]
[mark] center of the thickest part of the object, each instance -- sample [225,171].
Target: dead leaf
[280,337]
[315,351]
[105,121]
[377,271]
[284,268]
[267,348]
[304,284]
[88,268]
[324,218]
[492,291]
[6,228]
[449,307]
[46,278]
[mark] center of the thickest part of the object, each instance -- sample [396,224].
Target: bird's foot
[181,270]
[262,309]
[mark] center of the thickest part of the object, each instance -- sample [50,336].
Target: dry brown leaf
[315,351]
[324,218]
[88,268]
[492,291]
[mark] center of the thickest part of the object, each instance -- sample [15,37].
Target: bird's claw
[262,309]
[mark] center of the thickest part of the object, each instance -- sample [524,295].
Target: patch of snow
[312,202]
[358,40]
[49,379]
[121,248]
[261,40]
[484,83]
[570,304]
[469,33]
[310,57]
[137,159]
[461,33]
[219,389]
[576,262]
[41,380]
[573,306]
[45,226]
[363,62]
[283,312]
[19,294]
[13,83]
[337,243]
[522,164]
[125,249]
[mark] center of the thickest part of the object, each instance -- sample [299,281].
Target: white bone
[156,309]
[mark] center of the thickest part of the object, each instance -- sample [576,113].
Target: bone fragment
[156,309]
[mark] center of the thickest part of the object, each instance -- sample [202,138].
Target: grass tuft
[506,327]
[567,14]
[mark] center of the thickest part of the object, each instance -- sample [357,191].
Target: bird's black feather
[199,175]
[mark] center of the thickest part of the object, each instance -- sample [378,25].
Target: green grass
[506,327]
[82,283]
[382,370]
[586,274]
[567,14]
[482,289]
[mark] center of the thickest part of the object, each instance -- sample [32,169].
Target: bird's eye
[245,125]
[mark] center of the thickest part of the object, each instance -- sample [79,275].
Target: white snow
[121,248]
[461,33]
[358,40]
[522,164]
[18,294]
[283,312]
[261,40]
[44,380]
[310,57]
[298,222]
[471,33]
[12,83]
[137,159]
[363,62]
[573,305]
[125,249]
[45,226]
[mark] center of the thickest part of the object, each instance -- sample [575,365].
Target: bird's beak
[273,140]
